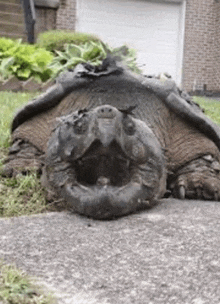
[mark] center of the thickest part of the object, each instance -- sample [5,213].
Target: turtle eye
[129,126]
[80,126]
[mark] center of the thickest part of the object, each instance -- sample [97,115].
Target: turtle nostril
[106,112]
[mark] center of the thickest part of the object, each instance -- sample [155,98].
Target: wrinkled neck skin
[104,162]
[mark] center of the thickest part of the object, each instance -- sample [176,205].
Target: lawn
[211,107]
[24,194]
[9,104]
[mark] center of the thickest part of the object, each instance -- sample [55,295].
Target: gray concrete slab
[168,254]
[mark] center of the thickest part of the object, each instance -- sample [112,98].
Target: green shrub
[6,44]
[56,39]
[90,52]
[23,60]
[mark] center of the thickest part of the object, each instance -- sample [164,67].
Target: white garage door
[154,29]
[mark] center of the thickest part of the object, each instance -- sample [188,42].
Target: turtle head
[104,162]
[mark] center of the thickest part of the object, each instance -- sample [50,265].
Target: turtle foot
[199,179]
[23,157]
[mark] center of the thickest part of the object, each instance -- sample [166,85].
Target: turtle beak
[107,131]
[106,121]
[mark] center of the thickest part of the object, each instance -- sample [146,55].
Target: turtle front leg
[199,179]
[23,157]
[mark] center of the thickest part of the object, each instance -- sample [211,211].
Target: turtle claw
[182,192]
[216,196]
[23,158]
[200,179]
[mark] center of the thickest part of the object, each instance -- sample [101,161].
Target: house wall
[201,54]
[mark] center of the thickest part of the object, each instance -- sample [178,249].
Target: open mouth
[104,183]
[104,163]
[103,166]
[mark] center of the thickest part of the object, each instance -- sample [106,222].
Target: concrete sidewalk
[168,254]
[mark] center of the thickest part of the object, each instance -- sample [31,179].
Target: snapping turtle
[108,141]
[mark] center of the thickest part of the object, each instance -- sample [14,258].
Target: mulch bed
[15,85]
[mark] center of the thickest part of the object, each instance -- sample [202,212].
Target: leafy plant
[5,66]
[71,48]
[90,52]
[6,44]
[23,60]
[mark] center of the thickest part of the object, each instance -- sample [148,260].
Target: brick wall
[66,15]
[200,50]
[217,48]
[45,19]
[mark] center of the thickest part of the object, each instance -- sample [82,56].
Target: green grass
[23,194]
[17,288]
[9,104]
[211,107]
